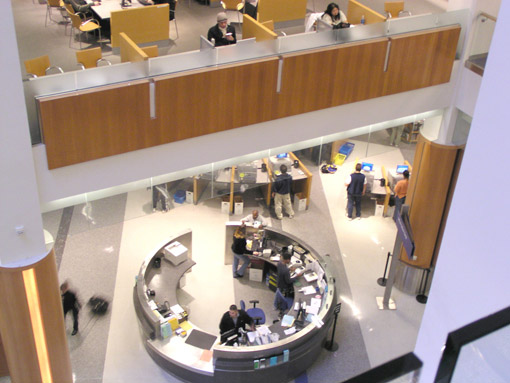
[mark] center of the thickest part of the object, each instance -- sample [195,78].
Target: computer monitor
[401,168]
[366,166]
[282,155]
[229,337]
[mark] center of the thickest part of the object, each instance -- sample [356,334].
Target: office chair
[234,6]
[90,58]
[53,4]
[40,66]
[256,313]
[395,9]
[82,26]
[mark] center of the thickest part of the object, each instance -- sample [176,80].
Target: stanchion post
[331,345]
[422,298]
[382,281]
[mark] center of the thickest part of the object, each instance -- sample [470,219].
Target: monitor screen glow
[401,168]
[366,166]
[282,155]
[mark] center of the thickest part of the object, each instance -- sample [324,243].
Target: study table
[203,358]
[106,7]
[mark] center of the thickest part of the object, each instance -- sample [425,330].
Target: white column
[19,203]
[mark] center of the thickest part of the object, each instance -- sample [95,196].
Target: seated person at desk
[238,251]
[81,5]
[235,319]
[285,291]
[222,33]
[256,219]
[171,4]
[335,17]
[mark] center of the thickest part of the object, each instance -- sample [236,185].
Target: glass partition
[244,50]
[483,30]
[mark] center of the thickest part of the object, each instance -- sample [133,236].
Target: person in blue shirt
[281,193]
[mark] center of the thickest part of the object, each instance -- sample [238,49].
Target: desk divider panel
[129,51]
[142,25]
[281,10]
[252,28]
[355,10]
[75,131]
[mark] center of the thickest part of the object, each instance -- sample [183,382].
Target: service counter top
[283,360]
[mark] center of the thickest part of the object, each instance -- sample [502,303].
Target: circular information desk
[199,356]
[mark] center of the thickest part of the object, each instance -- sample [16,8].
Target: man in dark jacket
[281,193]
[222,33]
[235,318]
[70,302]
[356,186]
[284,296]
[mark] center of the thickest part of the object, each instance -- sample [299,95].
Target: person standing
[70,302]
[401,193]
[239,251]
[356,186]
[222,33]
[281,193]
[285,291]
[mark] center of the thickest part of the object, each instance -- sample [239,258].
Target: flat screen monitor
[229,336]
[366,166]
[401,168]
[282,155]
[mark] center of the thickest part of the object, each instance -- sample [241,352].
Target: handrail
[490,17]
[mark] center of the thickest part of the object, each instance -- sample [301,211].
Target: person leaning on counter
[255,219]
[235,318]
[222,33]
[285,292]
[238,251]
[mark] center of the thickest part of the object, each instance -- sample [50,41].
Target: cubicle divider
[142,25]
[281,10]
[356,10]
[367,69]
[252,28]
[129,51]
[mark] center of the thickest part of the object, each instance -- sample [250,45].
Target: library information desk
[199,356]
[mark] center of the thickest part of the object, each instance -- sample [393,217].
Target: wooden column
[431,187]
[32,323]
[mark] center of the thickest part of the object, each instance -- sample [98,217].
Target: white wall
[19,204]
[472,280]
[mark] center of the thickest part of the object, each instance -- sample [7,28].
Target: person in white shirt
[333,15]
[255,219]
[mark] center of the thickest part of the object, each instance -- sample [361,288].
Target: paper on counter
[315,302]
[308,290]
[263,330]
[176,309]
[290,331]
[252,335]
[312,310]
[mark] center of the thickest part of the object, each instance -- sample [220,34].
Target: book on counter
[288,320]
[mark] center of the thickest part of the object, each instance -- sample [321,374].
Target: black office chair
[256,313]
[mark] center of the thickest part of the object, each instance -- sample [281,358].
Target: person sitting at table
[222,33]
[238,251]
[235,319]
[284,296]
[81,6]
[171,5]
[255,219]
[335,17]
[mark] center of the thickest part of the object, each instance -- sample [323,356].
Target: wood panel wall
[110,120]
[430,188]
[16,327]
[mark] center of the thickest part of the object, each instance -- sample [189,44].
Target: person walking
[281,193]
[401,193]
[70,302]
[356,186]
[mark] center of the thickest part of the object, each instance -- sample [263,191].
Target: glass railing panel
[246,50]
[483,29]
[110,74]
[182,61]
[306,40]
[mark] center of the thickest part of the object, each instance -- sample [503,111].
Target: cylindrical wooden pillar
[431,187]
[32,323]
